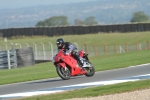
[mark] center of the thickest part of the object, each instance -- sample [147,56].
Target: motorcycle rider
[69,49]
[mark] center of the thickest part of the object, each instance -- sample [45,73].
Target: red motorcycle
[67,66]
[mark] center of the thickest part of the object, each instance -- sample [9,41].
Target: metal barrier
[8,59]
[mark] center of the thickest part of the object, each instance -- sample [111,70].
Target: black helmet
[60,42]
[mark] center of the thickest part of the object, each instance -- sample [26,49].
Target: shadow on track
[56,80]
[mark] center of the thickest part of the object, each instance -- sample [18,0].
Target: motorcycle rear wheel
[63,73]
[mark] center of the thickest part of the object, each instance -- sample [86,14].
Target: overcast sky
[7,4]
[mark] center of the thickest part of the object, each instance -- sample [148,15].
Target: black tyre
[64,73]
[90,71]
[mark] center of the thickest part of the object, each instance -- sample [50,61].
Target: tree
[139,17]
[54,21]
[90,21]
[40,23]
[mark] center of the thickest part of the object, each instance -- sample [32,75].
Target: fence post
[8,58]
[13,46]
[121,49]
[95,49]
[140,46]
[86,48]
[51,49]
[8,54]
[137,46]
[20,46]
[116,48]
[126,47]
[43,50]
[148,45]
[35,50]
[105,48]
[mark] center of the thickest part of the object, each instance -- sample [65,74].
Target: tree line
[139,16]
[63,21]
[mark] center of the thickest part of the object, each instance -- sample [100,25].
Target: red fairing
[68,61]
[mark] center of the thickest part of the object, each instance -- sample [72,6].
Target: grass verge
[95,91]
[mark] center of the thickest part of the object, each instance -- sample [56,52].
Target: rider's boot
[82,62]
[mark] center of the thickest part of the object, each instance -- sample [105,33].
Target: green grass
[94,91]
[107,62]
[47,70]
[39,71]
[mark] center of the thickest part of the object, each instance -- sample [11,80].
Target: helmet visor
[58,44]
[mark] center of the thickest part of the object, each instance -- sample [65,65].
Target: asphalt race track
[58,82]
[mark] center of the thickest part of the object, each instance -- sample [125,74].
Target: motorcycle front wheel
[64,73]
[90,70]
